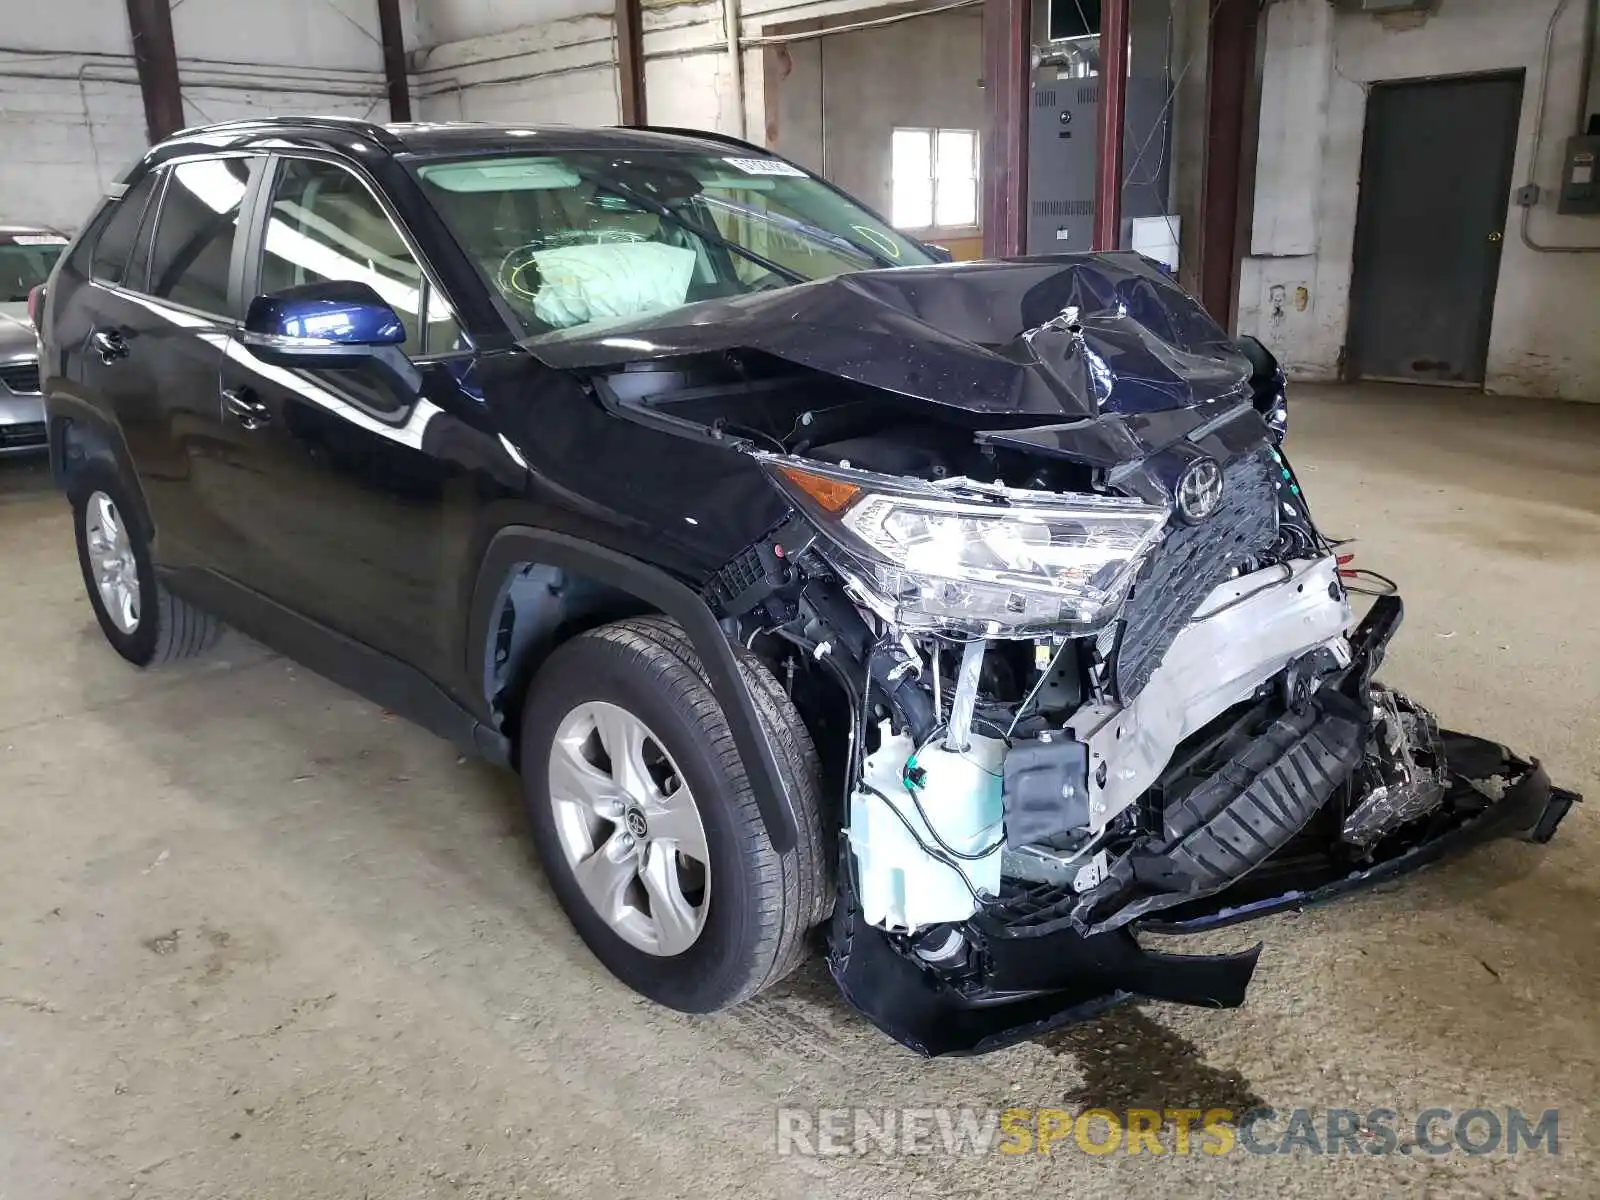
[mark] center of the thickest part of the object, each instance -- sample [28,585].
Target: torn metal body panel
[1036,965]
[1043,339]
[1100,671]
[1245,634]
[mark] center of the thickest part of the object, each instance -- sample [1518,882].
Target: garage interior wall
[486,60]
[71,116]
[835,101]
[1318,65]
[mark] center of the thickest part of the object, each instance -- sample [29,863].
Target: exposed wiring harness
[1362,580]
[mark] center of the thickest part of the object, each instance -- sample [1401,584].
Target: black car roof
[365,139]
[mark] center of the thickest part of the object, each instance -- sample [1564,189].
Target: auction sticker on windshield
[764,166]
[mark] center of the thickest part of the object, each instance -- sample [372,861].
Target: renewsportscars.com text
[969,1132]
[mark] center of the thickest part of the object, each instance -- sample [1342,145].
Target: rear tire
[144,623]
[757,904]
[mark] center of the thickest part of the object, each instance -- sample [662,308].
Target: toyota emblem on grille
[1199,490]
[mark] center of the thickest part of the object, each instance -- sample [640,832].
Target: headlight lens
[975,556]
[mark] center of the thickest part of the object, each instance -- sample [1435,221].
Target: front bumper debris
[1035,964]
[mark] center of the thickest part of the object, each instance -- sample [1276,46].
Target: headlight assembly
[973,556]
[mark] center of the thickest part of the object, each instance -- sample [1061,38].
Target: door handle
[109,344]
[251,414]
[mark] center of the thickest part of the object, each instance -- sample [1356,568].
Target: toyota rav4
[969,611]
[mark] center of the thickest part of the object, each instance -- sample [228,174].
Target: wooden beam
[155,57]
[391,33]
[1113,120]
[1005,90]
[630,62]
[1232,54]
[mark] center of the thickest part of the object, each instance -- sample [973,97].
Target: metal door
[1435,186]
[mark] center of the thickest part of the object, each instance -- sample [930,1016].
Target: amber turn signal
[832,494]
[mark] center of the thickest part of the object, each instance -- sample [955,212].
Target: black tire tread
[181,630]
[793,746]
[792,891]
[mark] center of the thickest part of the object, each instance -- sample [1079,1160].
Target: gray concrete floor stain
[1129,1060]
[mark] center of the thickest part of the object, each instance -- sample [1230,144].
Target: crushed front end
[1193,735]
[1101,672]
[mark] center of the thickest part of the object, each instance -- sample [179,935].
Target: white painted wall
[840,97]
[561,66]
[1295,285]
[550,61]
[444,21]
[71,116]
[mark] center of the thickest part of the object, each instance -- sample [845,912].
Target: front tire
[647,824]
[144,622]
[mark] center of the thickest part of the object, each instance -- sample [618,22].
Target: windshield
[25,263]
[589,235]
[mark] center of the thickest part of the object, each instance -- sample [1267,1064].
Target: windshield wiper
[652,205]
[816,233]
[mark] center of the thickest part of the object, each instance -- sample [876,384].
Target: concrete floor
[257,939]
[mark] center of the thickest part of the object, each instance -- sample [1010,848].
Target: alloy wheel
[116,574]
[629,828]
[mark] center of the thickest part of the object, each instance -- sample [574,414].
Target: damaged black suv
[971,612]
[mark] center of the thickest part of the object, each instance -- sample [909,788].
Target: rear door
[144,340]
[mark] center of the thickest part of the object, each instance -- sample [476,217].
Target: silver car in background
[27,253]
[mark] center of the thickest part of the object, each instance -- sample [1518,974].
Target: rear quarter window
[119,234]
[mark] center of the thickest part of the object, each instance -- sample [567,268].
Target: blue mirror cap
[328,314]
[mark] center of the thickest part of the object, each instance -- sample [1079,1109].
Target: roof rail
[365,128]
[706,135]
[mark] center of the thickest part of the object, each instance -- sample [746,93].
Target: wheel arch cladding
[80,435]
[609,579]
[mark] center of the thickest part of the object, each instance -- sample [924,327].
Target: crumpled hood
[1068,336]
[16,331]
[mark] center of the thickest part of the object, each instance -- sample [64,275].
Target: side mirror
[333,324]
[941,253]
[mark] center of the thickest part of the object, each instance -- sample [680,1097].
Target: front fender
[520,544]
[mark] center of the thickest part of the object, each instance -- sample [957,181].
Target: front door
[1435,187]
[337,491]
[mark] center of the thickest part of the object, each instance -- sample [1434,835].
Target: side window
[325,225]
[115,244]
[195,228]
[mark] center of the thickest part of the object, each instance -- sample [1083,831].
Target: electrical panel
[1062,129]
[1061,162]
[1580,191]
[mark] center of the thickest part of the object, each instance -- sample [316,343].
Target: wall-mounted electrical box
[1580,190]
[1063,165]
